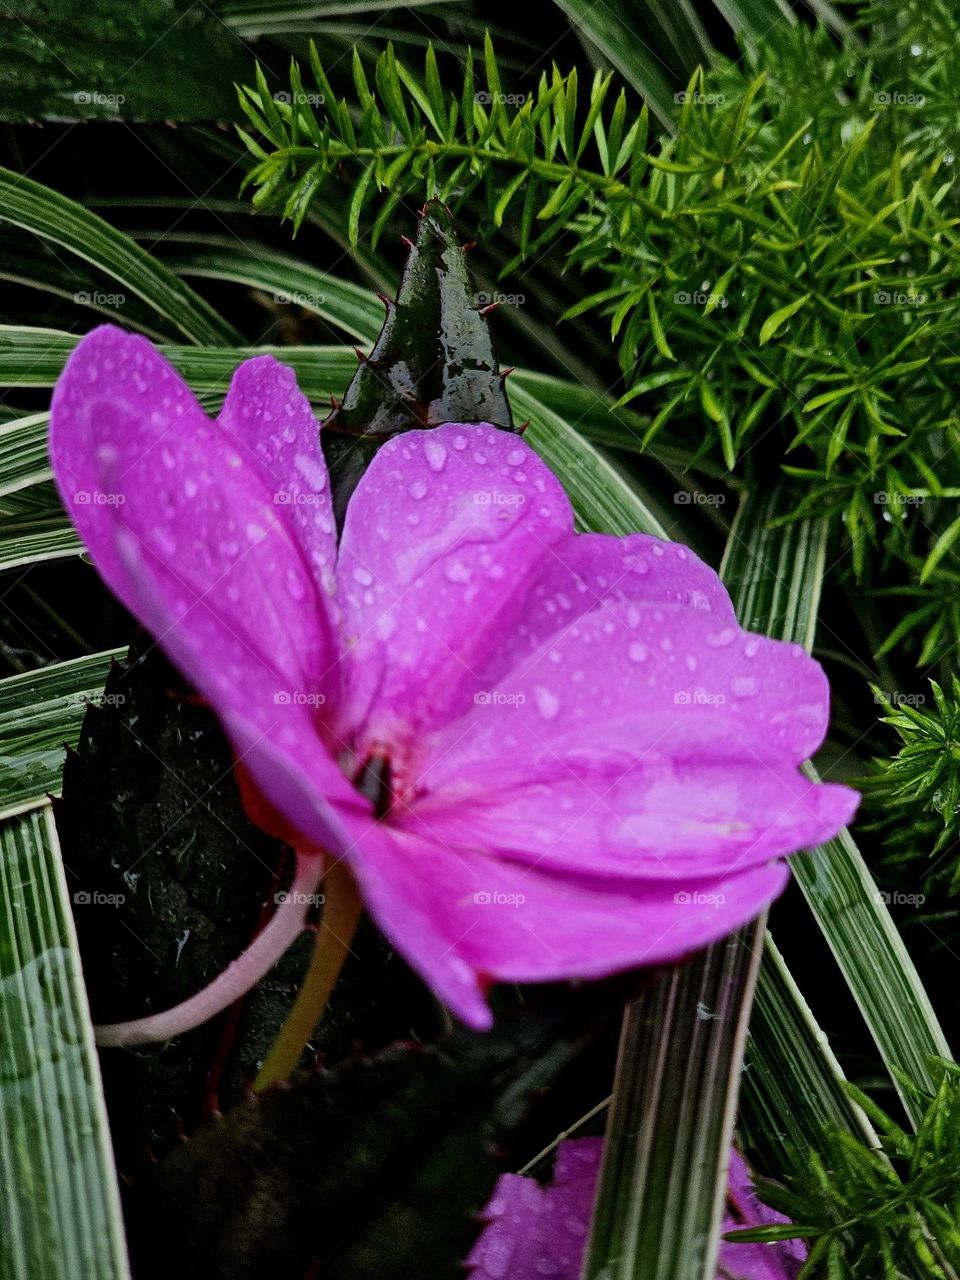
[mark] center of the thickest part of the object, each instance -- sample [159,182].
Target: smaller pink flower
[535,1231]
[542,754]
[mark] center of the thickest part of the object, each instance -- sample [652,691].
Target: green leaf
[59,1204]
[779,317]
[31,539]
[940,549]
[87,62]
[656,329]
[40,712]
[854,919]
[350,308]
[619,35]
[794,1089]
[54,217]
[662,1182]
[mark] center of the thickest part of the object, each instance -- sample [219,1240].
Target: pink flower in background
[535,1231]
[542,754]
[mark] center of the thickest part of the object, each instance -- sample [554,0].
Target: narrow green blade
[59,1206]
[54,217]
[40,711]
[875,963]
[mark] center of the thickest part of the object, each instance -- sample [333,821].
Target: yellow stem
[342,909]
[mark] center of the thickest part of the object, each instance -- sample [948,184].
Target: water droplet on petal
[744,686]
[165,540]
[363,576]
[418,490]
[456,571]
[637,652]
[515,458]
[548,704]
[719,639]
[436,454]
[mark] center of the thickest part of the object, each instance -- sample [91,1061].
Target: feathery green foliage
[880,1212]
[917,792]
[788,283]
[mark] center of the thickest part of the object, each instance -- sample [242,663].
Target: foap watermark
[699,99]
[697,898]
[98,498]
[896,698]
[494,898]
[887,499]
[499,498]
[687,497]
[897,898]
[93,98]
[700,298]
[299,899]
[97,298]
[97,699]
[499,299]
[297,299]
[94,898]
[499,698]
[300,98]
[487,99]
[288,498]
[898,298]
[894,98]
[698,698]
[298,698]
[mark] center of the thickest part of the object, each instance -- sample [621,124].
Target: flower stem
[282,930]
[342,909]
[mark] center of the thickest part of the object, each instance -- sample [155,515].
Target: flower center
[373,780]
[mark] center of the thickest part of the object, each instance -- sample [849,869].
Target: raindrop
[548,704]
[436,454]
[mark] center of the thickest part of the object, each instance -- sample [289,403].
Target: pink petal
[462,918]
[643,682]
[132,450]
[188,536]
[277,739]
[272,424]
[661,818]
[441,537]
[584,571]
[535,1231]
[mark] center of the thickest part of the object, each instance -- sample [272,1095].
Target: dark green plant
[880,1212]
[916,793]
[790,284]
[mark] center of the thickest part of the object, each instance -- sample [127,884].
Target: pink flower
[535,1231]
[543,755]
